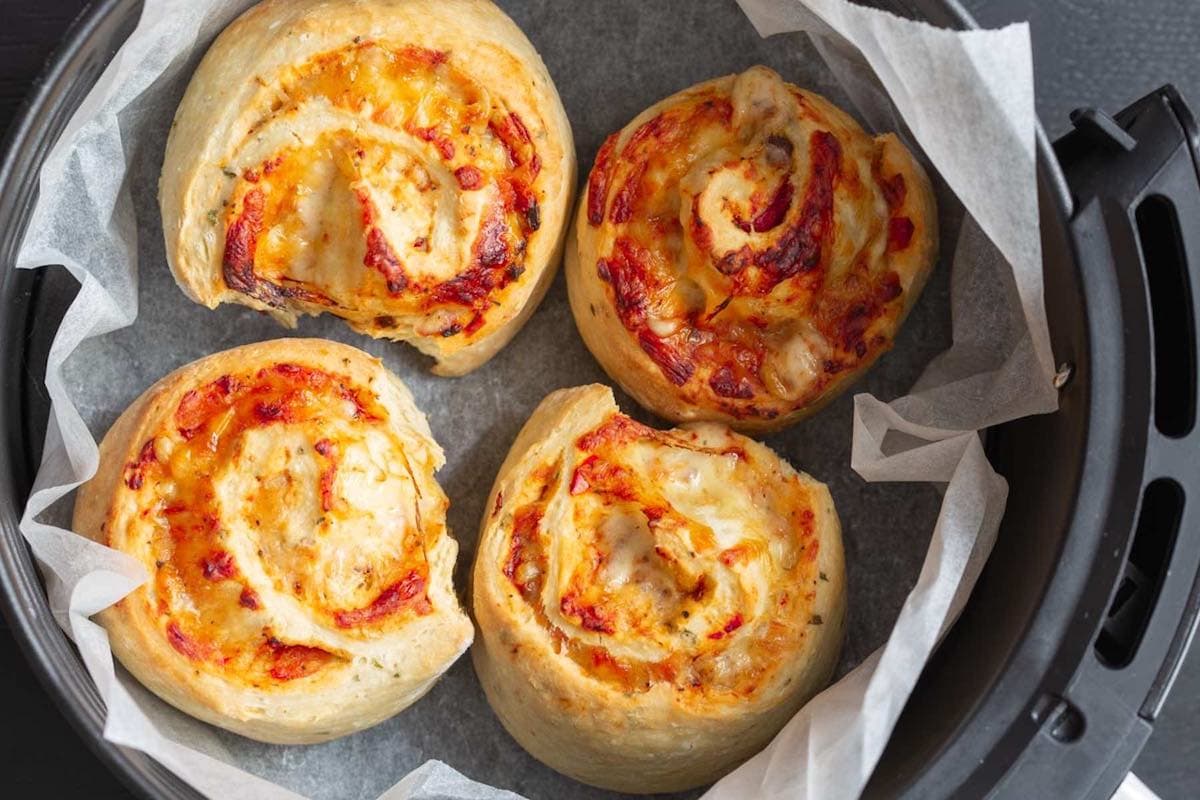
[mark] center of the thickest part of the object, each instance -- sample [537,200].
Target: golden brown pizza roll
[404,164]
[652,605]
[744,250]
[282,500]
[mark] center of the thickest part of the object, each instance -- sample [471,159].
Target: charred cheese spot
[363,152]
[653,557]
[745,235]
[282,481]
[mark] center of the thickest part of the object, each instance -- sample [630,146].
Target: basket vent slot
[1174,331]
[1143,575]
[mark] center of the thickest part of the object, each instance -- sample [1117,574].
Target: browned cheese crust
[743,251]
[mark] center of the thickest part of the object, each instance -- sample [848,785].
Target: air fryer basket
[1049,683]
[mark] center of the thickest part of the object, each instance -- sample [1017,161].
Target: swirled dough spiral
[744,250]
[403,164]
[281,498]
[652,605]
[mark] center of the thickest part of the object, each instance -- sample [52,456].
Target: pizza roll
[652,605]
[744,251]
[281,498]
[403,164]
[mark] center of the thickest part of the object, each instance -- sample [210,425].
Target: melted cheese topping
[746,234]
[681,557]
[383,185]
[283,526]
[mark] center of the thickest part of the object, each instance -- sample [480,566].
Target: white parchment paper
[964,99]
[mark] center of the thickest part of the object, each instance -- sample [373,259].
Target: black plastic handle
[1135,179]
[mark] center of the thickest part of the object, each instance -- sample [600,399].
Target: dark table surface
[1086,52]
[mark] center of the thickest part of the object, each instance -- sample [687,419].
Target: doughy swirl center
[663,557]
[284,522]
[744,234]
[386,186]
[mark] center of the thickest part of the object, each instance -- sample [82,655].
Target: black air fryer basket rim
[88,46]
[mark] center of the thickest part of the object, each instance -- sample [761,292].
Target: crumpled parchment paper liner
[965,99]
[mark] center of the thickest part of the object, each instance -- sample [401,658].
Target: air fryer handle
[1139,172]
